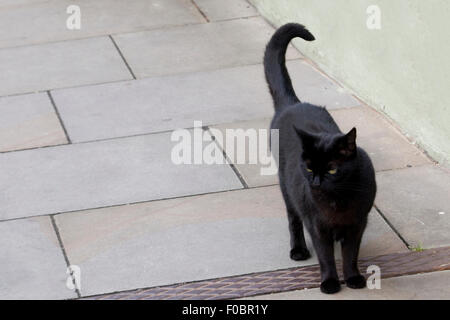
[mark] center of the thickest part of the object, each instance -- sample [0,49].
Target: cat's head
[328,159]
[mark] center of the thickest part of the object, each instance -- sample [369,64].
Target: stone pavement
[86,176]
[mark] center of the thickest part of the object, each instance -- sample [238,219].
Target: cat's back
[304,116]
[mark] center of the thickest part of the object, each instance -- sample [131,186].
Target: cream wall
[403,69]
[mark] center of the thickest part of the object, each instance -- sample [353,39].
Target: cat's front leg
[324,245]
[350,249]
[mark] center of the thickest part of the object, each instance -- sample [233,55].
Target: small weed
[417,248]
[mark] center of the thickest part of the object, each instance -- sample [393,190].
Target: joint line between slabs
[227,159]
[123,57]
[61,245]
[131,203]
[392,227]
[69,141]
[200,10]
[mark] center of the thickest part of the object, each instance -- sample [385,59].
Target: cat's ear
[306,138]
[347,144]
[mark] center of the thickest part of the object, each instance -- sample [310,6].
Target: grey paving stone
[429,286]
[312,86]
[230,9]
[387,147]
[81,176]
[151,105]
[192,238]
[167,103]
[251,173]
[29,121]
[416,202]
[60,64]
[198,47]
[32,264]
[35,21]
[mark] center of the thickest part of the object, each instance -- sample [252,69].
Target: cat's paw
[298,254]
[356,282]
[330,286]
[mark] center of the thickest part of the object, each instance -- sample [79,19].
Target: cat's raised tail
[277,76]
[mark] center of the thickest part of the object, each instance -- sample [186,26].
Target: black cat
[328,183]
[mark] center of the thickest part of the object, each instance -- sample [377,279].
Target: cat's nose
[316,181]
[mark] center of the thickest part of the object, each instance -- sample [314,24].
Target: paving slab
[60,64]
[105,173]
[197,47]
[150,105]
[217,10]
[387,147]
[29,121]
[251,173]
[429,286]
[191,238]
[32,264]
[415,201]
[213,97]
[34,22]
[314,87]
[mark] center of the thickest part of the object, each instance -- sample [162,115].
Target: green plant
[417,248]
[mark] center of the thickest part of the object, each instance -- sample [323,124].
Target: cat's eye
[309,170]
[332,171]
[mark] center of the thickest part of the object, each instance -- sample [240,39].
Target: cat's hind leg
[299,251]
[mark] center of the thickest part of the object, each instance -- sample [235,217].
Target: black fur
[328,183]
